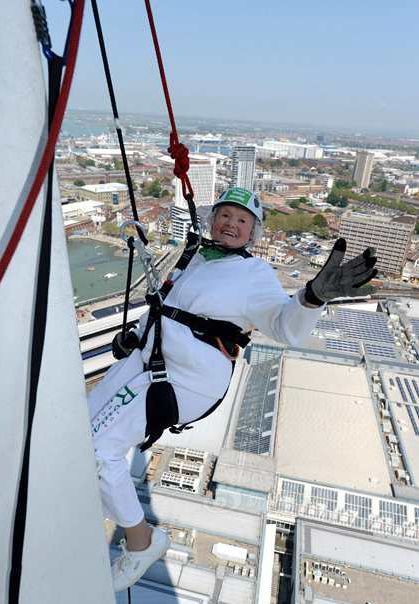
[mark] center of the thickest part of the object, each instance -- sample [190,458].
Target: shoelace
[124,555]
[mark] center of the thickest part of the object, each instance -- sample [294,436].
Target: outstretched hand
[336,280]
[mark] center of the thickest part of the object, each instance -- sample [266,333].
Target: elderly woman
[222,281]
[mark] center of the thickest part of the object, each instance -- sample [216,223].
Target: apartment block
[388,235]
[363,169]
[202,177]
[243,167]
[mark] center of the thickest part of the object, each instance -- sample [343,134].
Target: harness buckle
[158,376]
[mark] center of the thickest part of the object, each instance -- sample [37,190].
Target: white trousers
[117,408]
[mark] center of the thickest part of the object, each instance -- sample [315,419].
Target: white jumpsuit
[243,291]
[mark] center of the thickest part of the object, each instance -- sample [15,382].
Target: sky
[328,63]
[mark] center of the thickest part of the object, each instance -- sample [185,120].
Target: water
[88,284]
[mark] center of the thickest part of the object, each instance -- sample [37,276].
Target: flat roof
[327,430]
[88,204]
[245,470]
[358,550]
[105,188]
[402,392]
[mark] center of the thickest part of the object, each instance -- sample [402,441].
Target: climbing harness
[222,335]
[57,99]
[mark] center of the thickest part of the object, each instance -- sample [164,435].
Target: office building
[243,167]
[363,169]
[390,236]
[112,193]
[181,222]
[202,177]
[290,150]
[333,564]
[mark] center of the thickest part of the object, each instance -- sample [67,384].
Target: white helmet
[243,198]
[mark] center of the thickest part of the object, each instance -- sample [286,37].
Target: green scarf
[210,253]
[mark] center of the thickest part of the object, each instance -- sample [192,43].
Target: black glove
[336,280]
[122,348]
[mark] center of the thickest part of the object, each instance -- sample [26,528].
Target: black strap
[130,243]
[55,67]
[179,429]
[116,118]
[161,410]
[207,327]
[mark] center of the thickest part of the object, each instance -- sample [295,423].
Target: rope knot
[180,153]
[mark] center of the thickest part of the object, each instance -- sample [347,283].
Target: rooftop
[402,391]
[327,429]
[109,187]
[337,565]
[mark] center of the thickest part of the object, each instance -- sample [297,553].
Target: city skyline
[328,68]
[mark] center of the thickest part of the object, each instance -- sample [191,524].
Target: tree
[84,162]
[380,186]
[343,184]
[79,183]
[110,228]
[336,199]
[294,203]
[319,220]
[152,189]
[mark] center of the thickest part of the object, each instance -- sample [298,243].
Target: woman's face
[232,226]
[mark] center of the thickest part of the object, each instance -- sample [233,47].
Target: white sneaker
[130,566]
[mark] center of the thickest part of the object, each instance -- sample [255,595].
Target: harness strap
[179,429]
[206,327]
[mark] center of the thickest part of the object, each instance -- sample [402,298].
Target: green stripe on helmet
[237,195]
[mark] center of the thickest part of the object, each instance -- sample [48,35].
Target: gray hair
[256,233]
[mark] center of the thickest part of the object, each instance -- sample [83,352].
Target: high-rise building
[202,177]
[363,169]
[389,236]
[181,222]
[243,167]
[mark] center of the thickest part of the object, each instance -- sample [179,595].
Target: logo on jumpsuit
[109,412]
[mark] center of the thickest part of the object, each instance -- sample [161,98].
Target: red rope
[178,151]
[48,153]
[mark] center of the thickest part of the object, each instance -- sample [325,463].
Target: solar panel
[254,425]
[409,389]
[352,326]
[401,389]
[415,326]
[413,419]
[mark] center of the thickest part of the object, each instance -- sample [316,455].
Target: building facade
[243,167]
[202,177]
[389,236]
[363,169]
[113,193]
[290,150]
[181,222]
